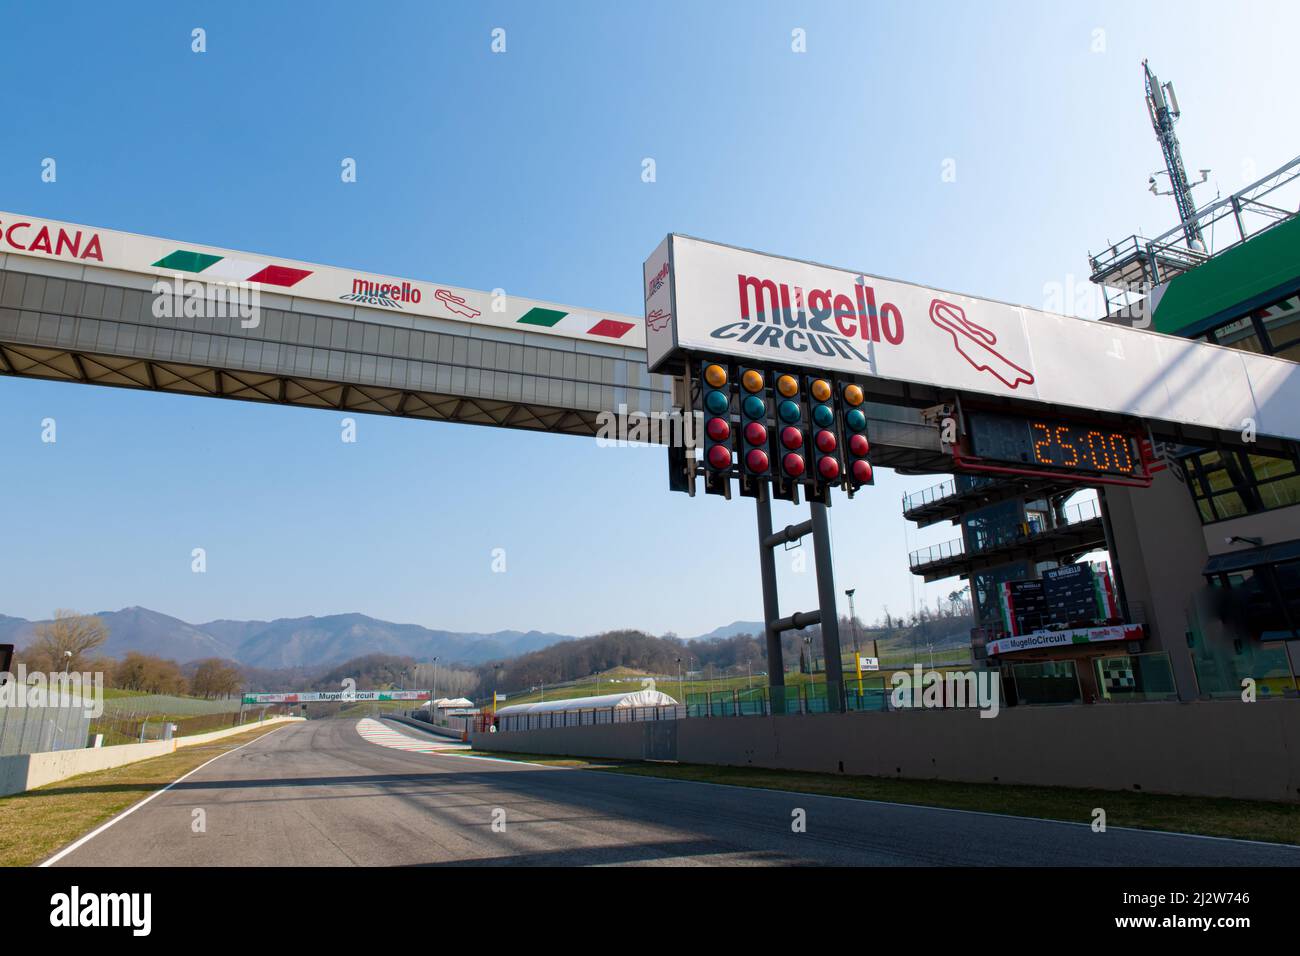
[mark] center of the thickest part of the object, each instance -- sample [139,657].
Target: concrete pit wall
[1213,749]
[24,772]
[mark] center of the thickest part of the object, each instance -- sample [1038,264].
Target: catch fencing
[806,698]
[26,730]
[582,718]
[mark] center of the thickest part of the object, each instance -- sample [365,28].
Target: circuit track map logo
[975,344]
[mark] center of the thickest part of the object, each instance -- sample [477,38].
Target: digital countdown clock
[1026,444]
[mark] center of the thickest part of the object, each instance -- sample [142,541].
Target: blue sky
[523,170]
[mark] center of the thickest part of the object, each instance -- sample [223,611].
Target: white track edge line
[134,807]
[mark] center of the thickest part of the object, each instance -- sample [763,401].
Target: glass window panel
[1280,493]
[1253,605]
[1219,480]
[1282,322]
[1239,335]
[1268,466]
[1290,353]
[1229,505]
[1288,582]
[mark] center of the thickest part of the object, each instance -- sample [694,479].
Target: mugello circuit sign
[707,299]
[311,697]
[88,246]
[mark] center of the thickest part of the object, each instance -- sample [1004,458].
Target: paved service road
[318,794]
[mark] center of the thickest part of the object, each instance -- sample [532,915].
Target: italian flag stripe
[544,317]
[610,328]
[575,322]
[230,270]
[184,261]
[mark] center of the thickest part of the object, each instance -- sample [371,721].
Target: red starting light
[825,441]
[756,434]
[720,456]
[718,429]
[756,460]
[862,472]
[791,438]
[859,445]
[793,465]
[829,468]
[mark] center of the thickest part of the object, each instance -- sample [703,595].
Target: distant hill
[734,629]
[291,642]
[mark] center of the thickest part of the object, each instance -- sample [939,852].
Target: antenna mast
[1162,104]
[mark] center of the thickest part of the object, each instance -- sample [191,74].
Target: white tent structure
[622,701]
[448,703]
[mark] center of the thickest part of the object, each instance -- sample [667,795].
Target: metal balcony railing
[1076,513]
[937,552]
[945,489]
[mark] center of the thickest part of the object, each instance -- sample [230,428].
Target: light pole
[853,618]
[681,688]
[433,694]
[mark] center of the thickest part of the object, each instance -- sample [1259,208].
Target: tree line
[69,643]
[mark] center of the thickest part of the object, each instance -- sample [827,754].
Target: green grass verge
[35,824]
[1238,819]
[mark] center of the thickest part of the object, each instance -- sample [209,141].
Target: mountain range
[290,642]
[306,641]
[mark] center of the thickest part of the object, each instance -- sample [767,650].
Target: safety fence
[26,730]
[581,718]
[130,728]
[1111,679]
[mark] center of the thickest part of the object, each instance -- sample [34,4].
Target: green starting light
[789,412]
[755,407]
[855,419]
[717,402]
[823,416]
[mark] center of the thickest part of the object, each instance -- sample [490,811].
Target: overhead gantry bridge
[335,339]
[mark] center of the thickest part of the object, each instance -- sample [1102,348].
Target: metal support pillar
[830,621]
[771,600]
[826,614]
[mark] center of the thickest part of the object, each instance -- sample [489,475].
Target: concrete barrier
[445,732]
[24,772]
[1202,748]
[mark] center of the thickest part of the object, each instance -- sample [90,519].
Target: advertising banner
[168,259]
[733,302]
[312,697]
[1078,635]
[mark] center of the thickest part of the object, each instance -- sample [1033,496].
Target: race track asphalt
[318,794]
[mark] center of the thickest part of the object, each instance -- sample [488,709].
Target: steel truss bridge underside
[97,326]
